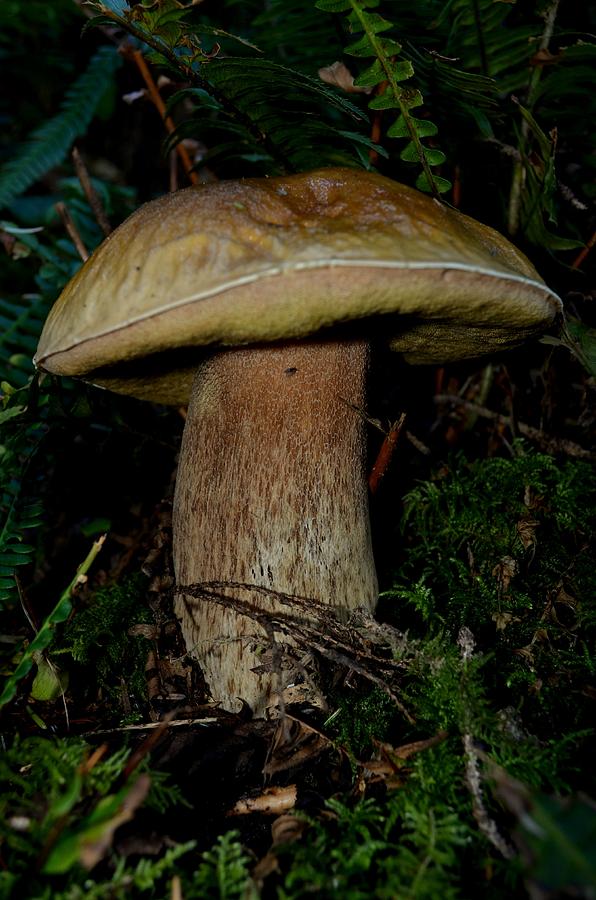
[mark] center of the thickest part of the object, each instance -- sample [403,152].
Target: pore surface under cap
[261,260]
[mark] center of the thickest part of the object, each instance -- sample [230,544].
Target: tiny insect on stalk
[385,455]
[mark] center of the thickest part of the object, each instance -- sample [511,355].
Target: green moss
[98,637]
[506,548]
[358,719]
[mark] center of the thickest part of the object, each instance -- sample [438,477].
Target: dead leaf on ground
[389,766]
[503,619]
[526,530]
[286,829]
[295,742]
[504,571]
[271,801]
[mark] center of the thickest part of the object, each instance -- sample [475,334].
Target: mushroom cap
[272,259]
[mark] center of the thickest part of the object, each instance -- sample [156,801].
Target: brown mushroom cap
[262,260]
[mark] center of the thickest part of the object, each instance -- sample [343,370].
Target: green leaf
[387,100]
[7,414]
[372,76]
[423,127]
[21,321]
[49,683]
[579,339]
[88,842]
[49,144]
[42,639]
[284,107]
[566,851]
[410,153]
[423,183]
[120,7]
[372,23]
[333,6]
[363,47]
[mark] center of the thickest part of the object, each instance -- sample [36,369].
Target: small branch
[91,194]
[146,746]
[198,81]
[546,441]
[71,230]
[486,824]
[375,133]
[152,726]
[519,172]
[157,101]
[583,253]
[305,629]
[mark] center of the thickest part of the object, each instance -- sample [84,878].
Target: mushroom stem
[271,492]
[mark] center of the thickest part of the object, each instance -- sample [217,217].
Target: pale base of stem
[271,492]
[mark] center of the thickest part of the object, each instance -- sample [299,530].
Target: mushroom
[257,301]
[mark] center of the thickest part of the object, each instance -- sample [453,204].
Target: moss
[505,549]
[360,718]
[98,637]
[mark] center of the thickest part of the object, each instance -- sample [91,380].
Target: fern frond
[537,199]
[48,145]
[282,104]
[21,321]
[224,871]
[19,517]
[386,73]
[449,87]
[481,37]
[297,35]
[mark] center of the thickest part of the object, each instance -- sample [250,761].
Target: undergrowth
[99,642]
[60,800]
[505,547]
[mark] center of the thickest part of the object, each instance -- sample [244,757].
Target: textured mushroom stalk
[271,492]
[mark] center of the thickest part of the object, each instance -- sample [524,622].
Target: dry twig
[157,101]
[90,193]
[71,230]
[546,441]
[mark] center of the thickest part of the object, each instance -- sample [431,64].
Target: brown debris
[270,802]
[547,442]
[295,743]
[91,852]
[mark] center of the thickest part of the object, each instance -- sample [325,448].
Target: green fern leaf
[18,518]
[386,70]
[484,41]
[333,6]
[283,105]
[372,76]
[399,129]
[21,321]
[48,145]
[44,636]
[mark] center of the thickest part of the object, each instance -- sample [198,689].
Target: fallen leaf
[271,801]
[504,571]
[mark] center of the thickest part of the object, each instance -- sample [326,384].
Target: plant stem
[199,81]
[519,166]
